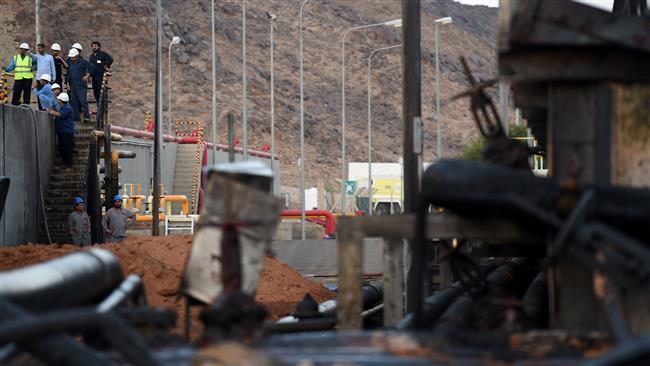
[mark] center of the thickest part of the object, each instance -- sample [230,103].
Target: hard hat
[64,97]
[56,86]
[78,46]
[78,200]
[24,46]
[73,52]
[56,47]
[117,198]
[46,77]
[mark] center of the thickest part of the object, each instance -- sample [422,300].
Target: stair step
[67,185]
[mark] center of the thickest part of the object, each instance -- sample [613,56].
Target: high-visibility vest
[23,67]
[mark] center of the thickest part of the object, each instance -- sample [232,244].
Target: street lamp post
[445,20]
[272,17]
[214,88]
[395,23]
[244,79]
[175,40]
[302,131]
[370,123]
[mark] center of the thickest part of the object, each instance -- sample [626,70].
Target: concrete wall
[140,169]
[319,257]
[21,220]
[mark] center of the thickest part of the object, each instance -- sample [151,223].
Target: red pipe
[183,140]
[330,220]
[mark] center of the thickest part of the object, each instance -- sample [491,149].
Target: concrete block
[316,256]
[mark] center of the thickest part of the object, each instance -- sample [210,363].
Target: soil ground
[160,262]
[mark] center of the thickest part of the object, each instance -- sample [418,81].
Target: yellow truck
[387,195]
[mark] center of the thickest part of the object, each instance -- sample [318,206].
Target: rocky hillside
[126,30]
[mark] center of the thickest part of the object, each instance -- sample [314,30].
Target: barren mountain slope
[126,30]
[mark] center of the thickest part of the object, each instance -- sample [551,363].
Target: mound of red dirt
[160,261]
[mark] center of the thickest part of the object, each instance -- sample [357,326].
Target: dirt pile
[159,261]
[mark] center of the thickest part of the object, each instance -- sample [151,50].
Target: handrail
[184,140]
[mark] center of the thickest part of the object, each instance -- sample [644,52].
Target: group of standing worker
[49,68]
[67,108]
[114,223]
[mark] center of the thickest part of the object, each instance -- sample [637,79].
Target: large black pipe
[535,301]
[51,349]
[483,190]
[75,279]
[435,305]
[130,289]
[371,295]
[4,189]
[506,279]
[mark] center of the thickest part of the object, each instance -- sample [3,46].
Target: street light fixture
[213,53]
[445,20]
[175,40]
[302,131]
[397,23]
[370,124]
[272,17]
[245,81]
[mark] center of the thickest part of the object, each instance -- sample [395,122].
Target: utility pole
[214,88]
[504,95]
[411,112]
[244,97]
[272,18]
[37,20]
[155,210]
[302,131]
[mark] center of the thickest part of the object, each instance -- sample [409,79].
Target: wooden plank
[393,281]
[570,64]
[441,226]
[631,167]
[579,124]
[350,258]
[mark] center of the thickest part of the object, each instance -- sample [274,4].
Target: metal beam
[411,112]
[440,226]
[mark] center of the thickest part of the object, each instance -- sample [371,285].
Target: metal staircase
[64,185]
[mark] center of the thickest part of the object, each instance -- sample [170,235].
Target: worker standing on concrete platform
[116,220]
[44,94]
[101,62]
[59,63]
[44,62]
[64,128]
[77,79]
[23,64]
[79,223]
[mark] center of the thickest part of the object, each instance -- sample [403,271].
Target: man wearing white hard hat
[56,89]
[78,47]
[59,63]
[44,93]
[64,128]
[44,62]
[77,80]
[23,66]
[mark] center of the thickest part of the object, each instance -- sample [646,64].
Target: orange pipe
[330,220]
[185,203]
[148,218]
